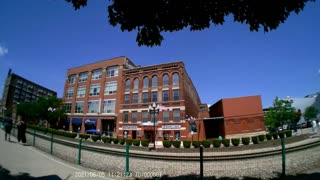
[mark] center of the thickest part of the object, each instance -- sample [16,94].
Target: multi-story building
[18,89]
[114,96]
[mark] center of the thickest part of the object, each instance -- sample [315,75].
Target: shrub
[166,143]
[262,137]
[255,139]
[121,141]
[235,141]
[196,144]
[226,142]
[275,135]
[106,139]
[281,134]
[206,143]
[186,144]
[136,142]
[288,133]
[245,140]
[95,138]
[269,136]
[145,142]
[115,140]
[176,144]
[84,136]
[129,141]
[216,143]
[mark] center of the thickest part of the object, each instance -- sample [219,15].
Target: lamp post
[50,109]
[154,109]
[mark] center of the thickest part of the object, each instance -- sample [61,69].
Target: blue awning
[76,120]
[90,121]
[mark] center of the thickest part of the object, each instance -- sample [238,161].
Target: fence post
[283,156]
[127,159]
[34,137]
[201,162]
[79,152]
[51,143]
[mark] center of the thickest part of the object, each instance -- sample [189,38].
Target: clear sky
[41,39]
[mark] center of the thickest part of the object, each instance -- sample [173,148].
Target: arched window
[128,84]
[136,83]
[165,80]
[175,79]
[145,82]
[155,81]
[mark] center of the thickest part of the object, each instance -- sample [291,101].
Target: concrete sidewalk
[19,161]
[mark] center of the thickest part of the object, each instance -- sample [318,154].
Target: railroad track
[100,148]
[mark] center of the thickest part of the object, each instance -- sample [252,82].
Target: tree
[310,113]
[281,113]
[152,17]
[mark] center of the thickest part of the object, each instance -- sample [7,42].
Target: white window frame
[81,109]
[96,74]
[109,106]
[81,92]
[93,106]
[110,88]
[112,71]
[72,79]
[70,92]
[94,90]
[83,77]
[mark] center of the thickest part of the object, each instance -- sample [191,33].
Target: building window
[165,116]
[154,96]
[155,81]
[112,71]
[176,115]
[97,74]
[145,115]
[81,91]
[72,79]
[79,107]
[109,106]
[67,107]
[165,80]
[128,84]
[95,90]
[111,88]
[175,79]
[145,97]
[127,98]
[135,98]
[146,82]
[93,107]
[69,92]
[134,116]
[83,77]
[165,95]
[176,95]
[136,83]
[202,109]
[125,116]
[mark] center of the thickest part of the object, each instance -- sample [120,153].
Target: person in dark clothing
[22,132]
[7,127]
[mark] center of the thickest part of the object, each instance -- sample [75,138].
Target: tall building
[18,89]
[113,96]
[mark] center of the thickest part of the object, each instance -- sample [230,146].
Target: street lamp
[50,109]
[154,109]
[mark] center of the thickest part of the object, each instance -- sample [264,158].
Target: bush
[262,137]
[145,142]
[275,135]
[235,141]
[245,140]
[176,144]
[216,143]
[121,141]
[95,138]
[136,142]
[226,142]
[206,143]
[166,143]
[288,133]
[186,144]
[84,136]
[281,134]
[269,136]
[129,141]
[115,140]
[255,139]
[196,144]
[106,140]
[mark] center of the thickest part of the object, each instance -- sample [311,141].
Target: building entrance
[149,135]
[107,127]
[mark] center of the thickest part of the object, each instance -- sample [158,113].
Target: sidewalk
[25,162]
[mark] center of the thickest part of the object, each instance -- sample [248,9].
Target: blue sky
[41,39]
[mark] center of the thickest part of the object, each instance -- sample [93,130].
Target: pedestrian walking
[314,126]
[19,131]
[23,128]
[7,127]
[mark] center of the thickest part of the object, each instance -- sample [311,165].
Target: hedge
[106,140]
[235,141]
[288,133]
[84,136]
[121,141]
[145,142]
[281,134]
[216,143]
[206,143]
[129,141]
[186,144]
[226,142]
[136,142]
[176,144]
[95,138]
[255,139]
[275,135]
[269,136]
[196,144]
[262,137]
[245,140]
[115,140]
